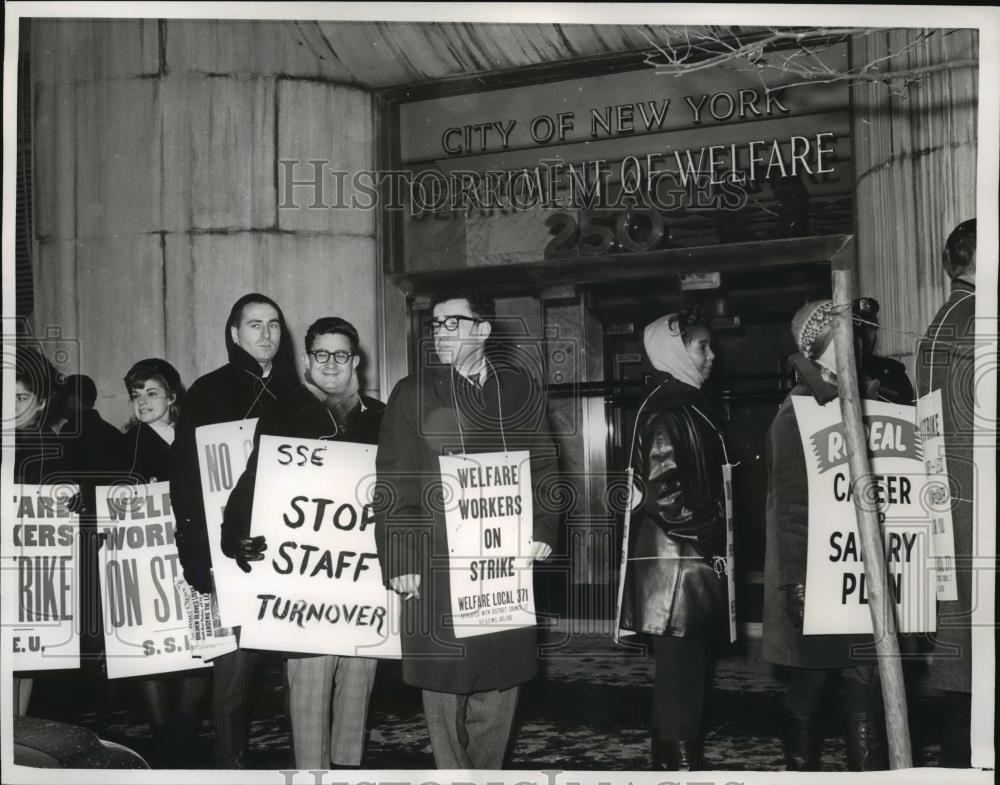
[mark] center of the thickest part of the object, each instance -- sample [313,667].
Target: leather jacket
[675,583]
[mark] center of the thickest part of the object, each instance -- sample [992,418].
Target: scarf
[667,352]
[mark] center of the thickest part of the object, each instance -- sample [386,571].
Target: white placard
[145,623]
[41,544]
[930,426]
[836,591]
[223,451]
[489,518]
[209,639]
[319,588]
[727,488]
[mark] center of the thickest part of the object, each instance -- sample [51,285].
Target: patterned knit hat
[812,327]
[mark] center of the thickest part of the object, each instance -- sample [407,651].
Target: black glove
[795,603]
[245,550]
[76,503]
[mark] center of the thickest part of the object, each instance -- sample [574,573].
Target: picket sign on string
[41,548]
[489,519]
[930,425]
[836,592]
[223,451]
[145,623]
[727,486]
[209,639]
[319,588]
[633,500]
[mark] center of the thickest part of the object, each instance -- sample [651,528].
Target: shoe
[866,748]
[802,743]
[678,755]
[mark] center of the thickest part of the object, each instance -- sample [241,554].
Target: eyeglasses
[322,356]
[449,323]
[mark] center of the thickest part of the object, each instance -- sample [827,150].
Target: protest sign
[145,624]
[930,424]
[209,639]
[727,488]
[223,451]
[319,588]
[489,518]
[41,540]
[836,592]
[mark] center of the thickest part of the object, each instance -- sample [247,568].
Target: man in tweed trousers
[328,406]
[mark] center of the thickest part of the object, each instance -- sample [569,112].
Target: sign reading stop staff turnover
[319,588]
[223,451]
[146,628]
[488,515]
[836,589]
[42,553]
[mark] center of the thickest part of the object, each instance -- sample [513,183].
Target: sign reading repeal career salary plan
[319,588]
[145,624]
[489,519]
[223,451]
[930,424]
[41,546]
[836,591]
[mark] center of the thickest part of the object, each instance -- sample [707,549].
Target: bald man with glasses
[328,406]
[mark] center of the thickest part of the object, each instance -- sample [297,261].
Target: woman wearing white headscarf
[675,583]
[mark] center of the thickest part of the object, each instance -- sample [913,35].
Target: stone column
[159,198]
[915,157]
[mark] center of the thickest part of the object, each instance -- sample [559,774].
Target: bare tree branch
[796,52]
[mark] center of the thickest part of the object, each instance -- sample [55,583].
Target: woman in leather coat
[675,583]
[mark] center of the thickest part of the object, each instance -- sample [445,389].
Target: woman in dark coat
[811,660]
[172,700]
[39,452]
[675,582]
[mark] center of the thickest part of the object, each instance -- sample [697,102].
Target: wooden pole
[880,601]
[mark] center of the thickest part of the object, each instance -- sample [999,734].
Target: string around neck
[458,411]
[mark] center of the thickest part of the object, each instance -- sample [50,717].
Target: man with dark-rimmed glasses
[470,402]
[328,406]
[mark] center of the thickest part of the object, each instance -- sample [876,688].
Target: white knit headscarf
[667,352]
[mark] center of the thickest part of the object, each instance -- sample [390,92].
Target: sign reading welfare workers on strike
[836,591]
[223,451]
[41,539]
[489,520]
[145,623]
[319,588]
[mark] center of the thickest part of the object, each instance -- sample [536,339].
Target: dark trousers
[956,747]
[804,694]
[679,686]
[233,679]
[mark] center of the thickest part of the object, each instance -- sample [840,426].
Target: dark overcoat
[236,391]
[674,584]
[147,454]
[945,361]
[787,547]
[421,423]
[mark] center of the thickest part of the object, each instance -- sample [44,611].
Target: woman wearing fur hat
[812,660]
[675,583]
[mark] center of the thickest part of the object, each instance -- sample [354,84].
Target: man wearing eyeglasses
[469,401]
[328,406]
